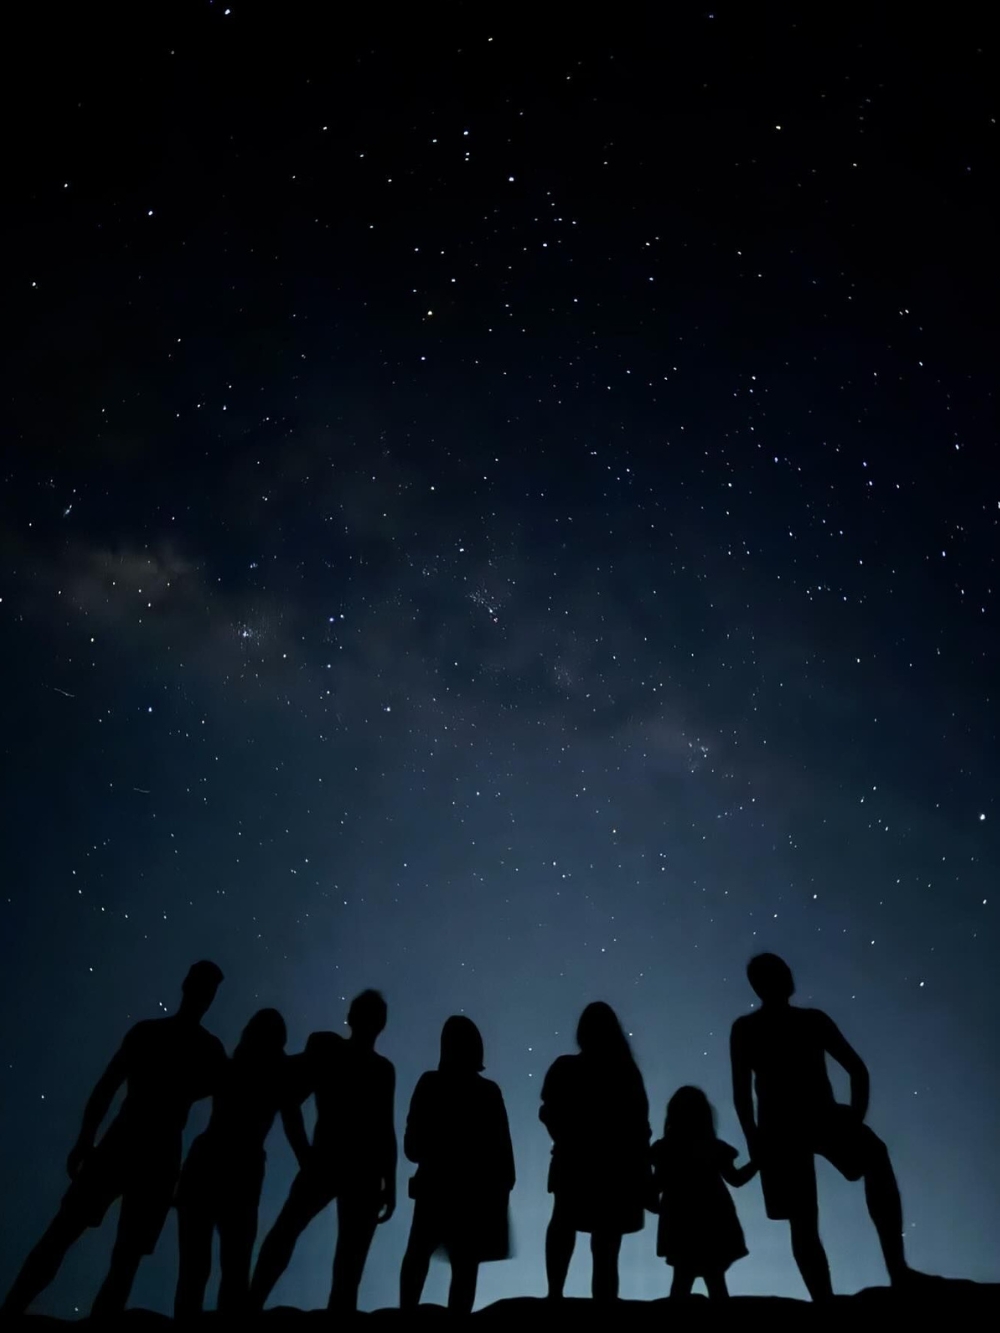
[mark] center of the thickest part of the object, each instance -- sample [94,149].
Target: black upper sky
[505,512]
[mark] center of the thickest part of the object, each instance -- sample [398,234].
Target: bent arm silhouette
[839,1048]
[742,1085]
[739,1175]
[97,1108]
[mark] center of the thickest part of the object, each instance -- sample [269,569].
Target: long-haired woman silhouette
[595,1107]
[224,1172]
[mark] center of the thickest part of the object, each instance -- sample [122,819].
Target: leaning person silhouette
[595,1107]
[166,1064]
[352,1157]
[222,1178]
[779,1052]
[457,1134]
[699,1234]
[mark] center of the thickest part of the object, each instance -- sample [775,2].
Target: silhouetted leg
[194,1243]
[604,1247]
[681,1286]
[237,1233]
[885,1207]
[808,1252]
[462,1292]
[560,1242]
[305,1201]
[715,1284]
[117,1286]
[357,1218]
[44,1262]
[416,1261]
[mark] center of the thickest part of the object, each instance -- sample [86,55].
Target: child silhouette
[699,1234]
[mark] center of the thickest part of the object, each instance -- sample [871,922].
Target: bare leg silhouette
[237,1233]
[44,1262]
[462,1292]
[279,1245]
[681,1286]
[808,1252]
[715,1285]
[604,1249]
[357,1218]
[194,1242]
[885,1208]
[416,1262]
[117,1286]
[560,1242]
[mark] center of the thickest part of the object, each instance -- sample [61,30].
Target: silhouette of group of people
[604,1175]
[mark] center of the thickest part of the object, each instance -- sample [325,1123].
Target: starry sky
[507,516]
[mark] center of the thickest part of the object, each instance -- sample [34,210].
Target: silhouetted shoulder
[561,1069]
[386,1069]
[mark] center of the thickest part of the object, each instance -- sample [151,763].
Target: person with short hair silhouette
[222,1177]
[166,1065]
[699,1234]
[352,1157]
[457,1134]
[779,1052]
[594,1105]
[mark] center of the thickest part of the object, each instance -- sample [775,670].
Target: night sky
[505,513]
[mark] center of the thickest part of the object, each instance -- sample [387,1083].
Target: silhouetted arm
[506,1161]
[97,1108]
[742,1071]
[837,1046]
[738,1175]
[295,1131]
[550,1111]
[416,1121]
[390,1147]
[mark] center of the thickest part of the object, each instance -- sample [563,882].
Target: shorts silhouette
[787,1156]
[144,1176]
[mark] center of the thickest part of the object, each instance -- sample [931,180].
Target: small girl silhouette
[699,1234]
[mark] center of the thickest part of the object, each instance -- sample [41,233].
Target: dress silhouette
[457,1134]
[352,1157]
[222,1178]
[166,1064]
[779,1052]
[594,1105]
[699,1234]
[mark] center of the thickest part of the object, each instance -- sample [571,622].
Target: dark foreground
[959,1306]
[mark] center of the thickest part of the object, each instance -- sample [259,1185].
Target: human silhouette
[457,1134]
[779,1052]
[352,1157]
[222,1178]
[595,1107]
[166,1064]
[699,1234]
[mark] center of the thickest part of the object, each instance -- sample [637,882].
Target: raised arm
[97,1108]
[837,1046]
[742,1071]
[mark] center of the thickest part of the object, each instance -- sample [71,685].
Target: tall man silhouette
[352,1157]
[166,1064]
[780,1053]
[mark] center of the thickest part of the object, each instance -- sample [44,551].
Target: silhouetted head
[461,1046]
[771,978]
[263,1037]
[600,1034]
[367,1015]
[690,1113]
[199,988]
